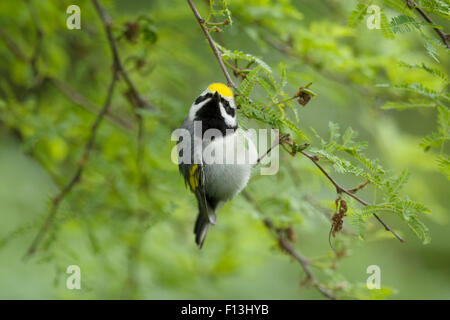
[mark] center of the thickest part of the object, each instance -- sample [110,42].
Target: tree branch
[315,159]
[12,45]
[213,46]
[273,146]
[340,189]
[85,103]
[39,35]
[136,98]
[289,249]
[412,5]
[107,23]
[78,173]
[137,101]
[62,86]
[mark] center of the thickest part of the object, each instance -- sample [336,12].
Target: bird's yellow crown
[222,89]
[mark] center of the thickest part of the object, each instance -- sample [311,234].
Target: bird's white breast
[227,164]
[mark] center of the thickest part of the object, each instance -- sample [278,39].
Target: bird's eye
[228,108]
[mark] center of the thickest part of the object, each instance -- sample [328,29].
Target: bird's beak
[216,97]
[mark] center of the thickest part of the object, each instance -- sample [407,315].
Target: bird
[215,155]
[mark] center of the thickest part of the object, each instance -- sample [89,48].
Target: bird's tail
[205,218]
[201,229]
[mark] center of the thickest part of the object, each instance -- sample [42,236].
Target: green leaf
[358,14]
[431,48]
[404,24]
[405,105]
[433,71]
[239,55]
[386,28]
[444,165]
[419,89]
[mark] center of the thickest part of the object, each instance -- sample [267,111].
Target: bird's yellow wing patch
[194,177]
[222,89]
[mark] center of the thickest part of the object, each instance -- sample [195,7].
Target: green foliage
[358,14]
[370,169]
[437,99]
[439,138]
[239,55]
[433,71]
[444,165]
[438,7]
[386,27]
[404,24]
[129,217]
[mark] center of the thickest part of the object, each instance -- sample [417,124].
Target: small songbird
[217,167]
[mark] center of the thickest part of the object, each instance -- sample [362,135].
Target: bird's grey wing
[182,166]
[194,177]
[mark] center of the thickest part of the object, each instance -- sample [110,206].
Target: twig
[213,46]
[39,35]
[107,23]
[62,86]
[78,173]
[287,247]
[306,267]
[359,187]
[85,103]
[117,70]
[273,146]
[136,98]
[12,45]
[340,190]
[412,5]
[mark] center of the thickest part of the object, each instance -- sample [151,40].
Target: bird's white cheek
[195,108]
[229,120]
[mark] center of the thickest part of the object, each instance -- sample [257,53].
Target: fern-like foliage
[442,135]
[404,24]
[272,112]
[429,98]
[437,7]
[358,14]
[444,165]
[347,157]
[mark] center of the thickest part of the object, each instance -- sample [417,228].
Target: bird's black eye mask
[203,98]
[228,108]
[231,111]
[210,116]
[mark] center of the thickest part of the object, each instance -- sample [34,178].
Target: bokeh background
[134,239]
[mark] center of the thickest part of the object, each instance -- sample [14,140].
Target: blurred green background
[133,242]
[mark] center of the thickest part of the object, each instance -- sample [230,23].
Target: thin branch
[359,187]
[56,201]
[62,86]
[273,146]
[135,98]
[107,23]
[315,159]
[39,37]
[213,46]
[340,189]
[118,70]
[287,247]
[12,45]
[412,5]
[85,103]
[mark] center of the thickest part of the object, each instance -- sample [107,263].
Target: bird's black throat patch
[210,116]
